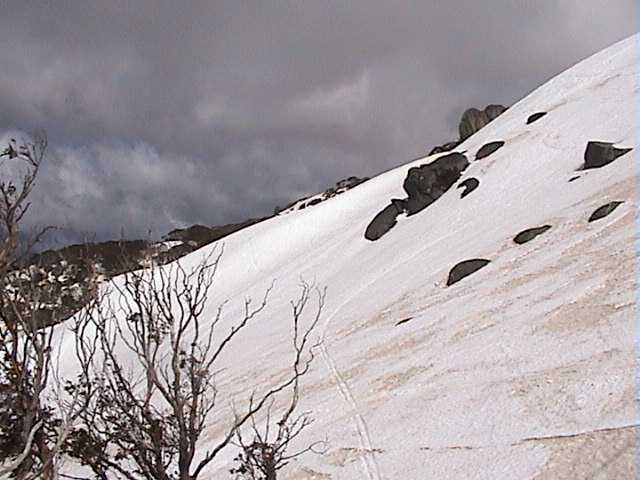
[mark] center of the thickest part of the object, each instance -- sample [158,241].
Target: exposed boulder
[474,119]
[469,185]
[446,147]
[604,210]
[466,268]
[384,221]
[426,183]
[599,154]
[534,117]
[489,148]
[573,179]
[529,234]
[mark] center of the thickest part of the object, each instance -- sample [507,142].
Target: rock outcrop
[489,148]
[604,210]
[469,185]
[466,268]
[445,147]
[599,154]
[529,234]
[535,117]
[474,119]
[384,221]
[426,183]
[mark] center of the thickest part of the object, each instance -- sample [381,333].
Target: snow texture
[523,369]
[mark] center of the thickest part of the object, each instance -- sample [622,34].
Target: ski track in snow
[368,458]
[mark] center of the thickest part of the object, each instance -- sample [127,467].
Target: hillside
[523,369]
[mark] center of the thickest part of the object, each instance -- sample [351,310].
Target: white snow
[522,370]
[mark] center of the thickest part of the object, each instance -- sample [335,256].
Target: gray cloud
[164,113]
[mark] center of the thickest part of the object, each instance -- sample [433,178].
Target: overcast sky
[162,114]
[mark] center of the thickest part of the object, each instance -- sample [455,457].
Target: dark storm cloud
[167,113]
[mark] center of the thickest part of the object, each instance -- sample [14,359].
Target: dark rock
[599,154]
[400,204]
[341,186]
[200,235]
[469,185]
[404,320]
[604,210]
[446,147]
[488,148]
[529,234]
[535,116]
[474,119]
[351,182]
[573,179]
[384,221]
[425,184]
[466,268]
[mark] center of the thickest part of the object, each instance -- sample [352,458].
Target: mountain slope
[523,369]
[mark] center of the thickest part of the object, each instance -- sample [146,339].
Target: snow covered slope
[524,369]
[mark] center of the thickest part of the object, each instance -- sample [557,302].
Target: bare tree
[270,448]
[148,425]
[19,165]
[34,419]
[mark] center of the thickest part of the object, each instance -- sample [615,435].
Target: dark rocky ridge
[340,187]
[65,277]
